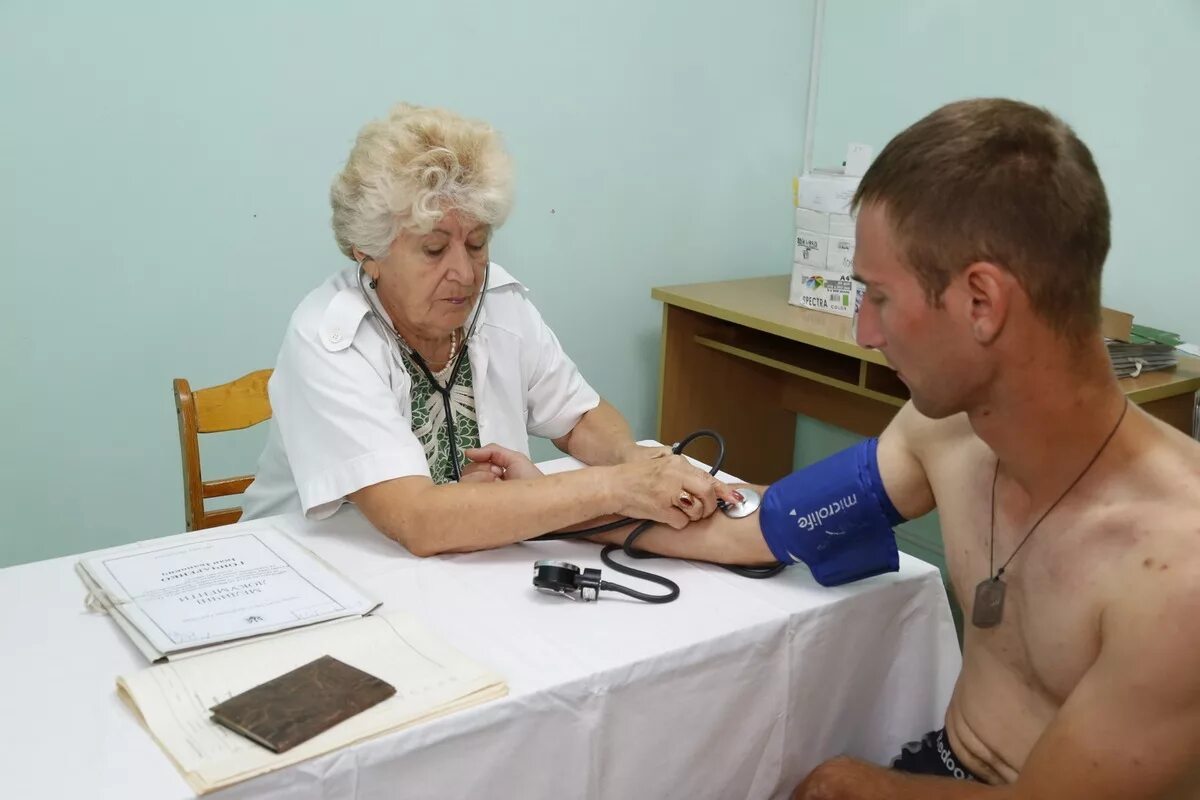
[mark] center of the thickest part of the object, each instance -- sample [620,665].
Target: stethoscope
[568,580]
[390,333]
[561,577]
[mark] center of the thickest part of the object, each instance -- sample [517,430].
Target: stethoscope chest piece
[750,503]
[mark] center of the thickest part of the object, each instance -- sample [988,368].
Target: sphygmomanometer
[834,516]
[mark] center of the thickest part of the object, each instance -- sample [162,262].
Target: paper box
[822,290]
[841,225]
[827,191]
[1116,324]
[858,158]
[815,221]
[811,249]
[841,255]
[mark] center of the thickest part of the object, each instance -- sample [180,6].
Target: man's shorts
[931,755]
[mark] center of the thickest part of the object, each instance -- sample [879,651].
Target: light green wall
[1123,74]
[163,169]
[163,179]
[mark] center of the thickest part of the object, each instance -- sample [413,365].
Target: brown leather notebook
[296,706]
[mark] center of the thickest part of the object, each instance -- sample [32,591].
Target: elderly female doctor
[397,369]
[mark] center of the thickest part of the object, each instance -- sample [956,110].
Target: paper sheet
[173,700]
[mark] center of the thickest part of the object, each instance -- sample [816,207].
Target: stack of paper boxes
[824,257]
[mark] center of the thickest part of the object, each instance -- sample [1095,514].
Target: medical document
[183,593]
[172,700]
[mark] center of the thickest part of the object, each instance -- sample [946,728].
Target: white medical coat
[341,405]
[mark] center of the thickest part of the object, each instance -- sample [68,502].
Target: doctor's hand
[669,490]
[634,452]
[496,463]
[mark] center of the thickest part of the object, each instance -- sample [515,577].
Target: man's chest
[1053,587]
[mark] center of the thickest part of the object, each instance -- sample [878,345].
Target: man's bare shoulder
[1153,507]
[1174,446]
[1159,475]
[927,436]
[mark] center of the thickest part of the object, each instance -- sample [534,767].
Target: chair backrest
[229,407]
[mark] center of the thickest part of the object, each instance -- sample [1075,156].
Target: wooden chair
[229,407]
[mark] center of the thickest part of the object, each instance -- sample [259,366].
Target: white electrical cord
[814,81]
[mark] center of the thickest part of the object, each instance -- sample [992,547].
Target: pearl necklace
[444,372]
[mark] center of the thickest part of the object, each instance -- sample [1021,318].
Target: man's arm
[901,448]
[719,539]
[723,540]
[849,779]
[1130,730]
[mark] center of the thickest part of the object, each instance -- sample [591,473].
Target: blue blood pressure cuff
[835,517]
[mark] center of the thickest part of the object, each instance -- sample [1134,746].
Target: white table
[737,689]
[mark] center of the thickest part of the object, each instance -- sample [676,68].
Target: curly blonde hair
[406,170]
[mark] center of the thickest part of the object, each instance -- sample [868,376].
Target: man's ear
[989,288]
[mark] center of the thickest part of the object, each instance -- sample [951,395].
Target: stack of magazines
[1148,349]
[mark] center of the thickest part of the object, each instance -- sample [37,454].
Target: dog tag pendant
[989,603]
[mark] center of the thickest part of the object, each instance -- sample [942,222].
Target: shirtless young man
[982,230]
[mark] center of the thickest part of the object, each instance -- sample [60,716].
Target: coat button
[335,335]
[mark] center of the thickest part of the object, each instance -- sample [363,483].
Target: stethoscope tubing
[390,334]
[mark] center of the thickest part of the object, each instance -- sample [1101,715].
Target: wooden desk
[738,358]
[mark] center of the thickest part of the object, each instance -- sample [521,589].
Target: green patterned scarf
[429,419]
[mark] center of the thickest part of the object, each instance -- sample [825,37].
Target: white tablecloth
[735,690]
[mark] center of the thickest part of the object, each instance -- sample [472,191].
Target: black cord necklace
[989,594]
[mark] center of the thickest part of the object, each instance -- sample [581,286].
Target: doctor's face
[430,282]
